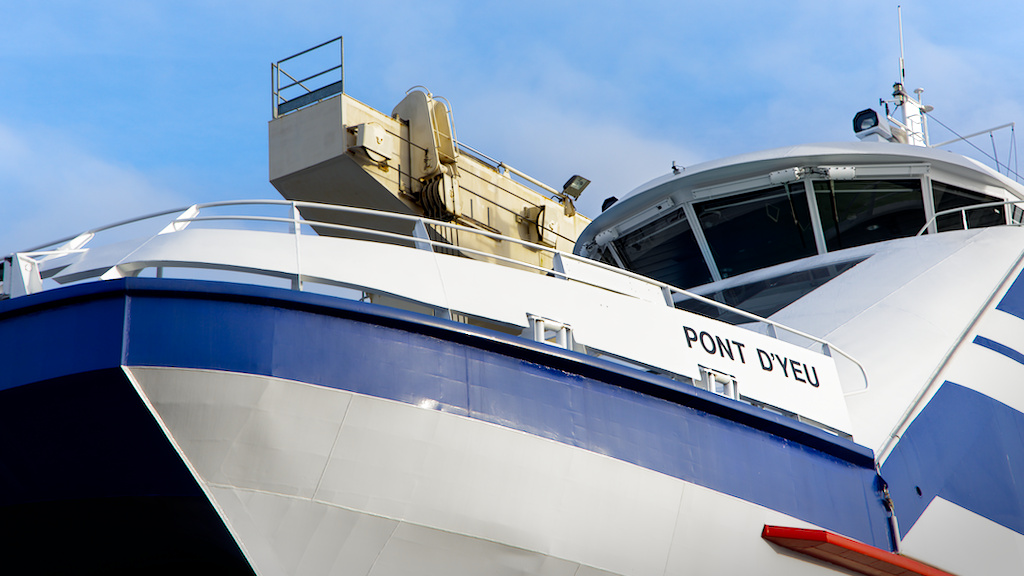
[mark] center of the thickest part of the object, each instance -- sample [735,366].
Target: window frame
[921,172]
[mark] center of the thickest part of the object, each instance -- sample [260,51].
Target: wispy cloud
[551,143]
[54,186]
[122,108]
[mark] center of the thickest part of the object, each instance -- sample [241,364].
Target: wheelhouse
[719,221]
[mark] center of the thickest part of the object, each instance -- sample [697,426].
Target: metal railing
[313,87]
[508,171]
[1015,218]
[418,237]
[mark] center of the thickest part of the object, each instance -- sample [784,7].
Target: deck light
[868,126]
[865,120]
[574,187]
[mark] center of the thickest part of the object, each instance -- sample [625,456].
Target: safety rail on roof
[312,86]
[1016,218]
[24,271]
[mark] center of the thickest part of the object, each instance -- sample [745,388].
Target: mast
[913,110]
[899,16]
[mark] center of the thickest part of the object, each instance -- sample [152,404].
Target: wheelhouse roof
[761,163]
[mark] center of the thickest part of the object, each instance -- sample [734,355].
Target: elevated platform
[328,147]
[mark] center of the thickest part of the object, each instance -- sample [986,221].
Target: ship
[421,360]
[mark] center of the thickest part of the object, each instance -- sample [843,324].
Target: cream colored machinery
[326,146]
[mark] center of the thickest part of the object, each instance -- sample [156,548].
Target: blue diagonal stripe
[1000,348]
[965,448]
[1013,300]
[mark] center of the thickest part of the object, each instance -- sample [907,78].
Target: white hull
[314,480]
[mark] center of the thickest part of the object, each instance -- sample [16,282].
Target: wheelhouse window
[768,296]
[859,212]
[752,230]
[666,250]
[757,229]
[948,197]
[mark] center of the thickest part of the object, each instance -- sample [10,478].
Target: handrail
[306,79]
[308,50]
[963,210]
[281,105]
[978,133]
[297,222]
[504,169]
[479,155]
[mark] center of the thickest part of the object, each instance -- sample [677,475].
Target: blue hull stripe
[966,448]
[1013,301]
[1000,348]
[595,405]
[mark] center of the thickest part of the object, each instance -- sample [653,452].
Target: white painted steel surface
[987,371]
[904,311]
[963,542]
[313,480]
[628,317]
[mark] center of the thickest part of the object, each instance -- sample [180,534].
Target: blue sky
[114,108]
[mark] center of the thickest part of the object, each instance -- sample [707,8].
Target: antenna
[913,111]
[899,16]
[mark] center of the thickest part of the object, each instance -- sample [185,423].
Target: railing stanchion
[963,213]
[420,238]
[296,230]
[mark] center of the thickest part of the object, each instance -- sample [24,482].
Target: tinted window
[665,250]
[858,212]
[766,297]
[948,197]
[757,229]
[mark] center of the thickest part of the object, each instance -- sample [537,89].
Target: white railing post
[182,221]
[419,230]
[296,231]
[21,276]
[667,293]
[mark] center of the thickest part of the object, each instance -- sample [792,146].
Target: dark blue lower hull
[89,484]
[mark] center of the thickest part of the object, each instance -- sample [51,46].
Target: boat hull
[336,437]
[90,484]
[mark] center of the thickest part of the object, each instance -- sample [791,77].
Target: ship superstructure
[905,256]
[327,147]
[752,365]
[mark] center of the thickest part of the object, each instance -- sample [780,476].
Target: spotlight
[865,120]
[574,187]
[868,126]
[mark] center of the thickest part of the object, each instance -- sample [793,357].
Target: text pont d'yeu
[735,351]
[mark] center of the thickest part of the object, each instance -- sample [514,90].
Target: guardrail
[419,237]
[312,87]
[1015,219]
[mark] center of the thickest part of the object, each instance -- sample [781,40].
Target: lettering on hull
[734,351]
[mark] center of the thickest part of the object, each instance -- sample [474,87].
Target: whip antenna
[899,16]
